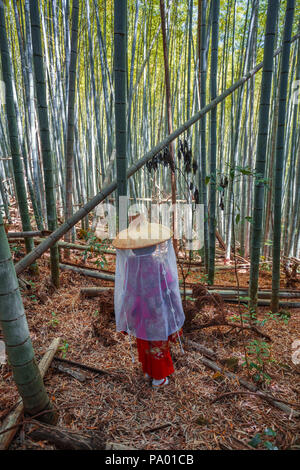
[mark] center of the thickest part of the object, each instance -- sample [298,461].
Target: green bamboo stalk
[283,81]
[213,141]
[13,131]
[120,73]
[203,70]
[17,338]
[42,109]
[267,73]
[70,123]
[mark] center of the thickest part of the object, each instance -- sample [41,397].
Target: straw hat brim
[142,236]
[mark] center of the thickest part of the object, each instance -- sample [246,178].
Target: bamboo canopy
[106,191]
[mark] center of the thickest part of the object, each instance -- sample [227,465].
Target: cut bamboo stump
[64,439]
[14,418]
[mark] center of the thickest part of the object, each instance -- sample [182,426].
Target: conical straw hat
[141,234]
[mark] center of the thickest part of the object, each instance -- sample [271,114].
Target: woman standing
[147,297]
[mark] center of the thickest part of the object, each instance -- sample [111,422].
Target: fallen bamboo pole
[61,244]
[22,235]
[212,365]
[107,190]
[66,439]
[226,293]
[96,291]
[13,419]
[74,246]
[82,366]
[87,272]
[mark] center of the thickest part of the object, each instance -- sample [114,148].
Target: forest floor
[122,404]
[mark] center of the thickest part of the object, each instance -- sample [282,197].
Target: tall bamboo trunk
[42,109]
[169,116]
[283,81]
[70,123]
[202,73]
[213,141]
[120,72]
[17,338]
[261,150]
[13,131]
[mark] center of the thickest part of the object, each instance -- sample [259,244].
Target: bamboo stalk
[259,189]
[15,416]
[42,112]
[37,233]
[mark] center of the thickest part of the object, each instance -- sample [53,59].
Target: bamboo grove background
[208,43]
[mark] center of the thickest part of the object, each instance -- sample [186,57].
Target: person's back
[148,303]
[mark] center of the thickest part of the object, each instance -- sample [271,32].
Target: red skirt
[155,356]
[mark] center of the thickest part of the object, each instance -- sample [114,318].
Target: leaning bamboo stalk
[107,190]
[15,416]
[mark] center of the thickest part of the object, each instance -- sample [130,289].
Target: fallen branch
[91,268]
[236,445]
[232,325]
[95,291]
[81,366]
[278,404]
[256,394]
[87,272]
[65,439]
[157,428]
[74,246]
[73,373]
[205,351]
[36,233]
[12,421]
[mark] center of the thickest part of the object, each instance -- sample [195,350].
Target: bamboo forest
[149,227]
